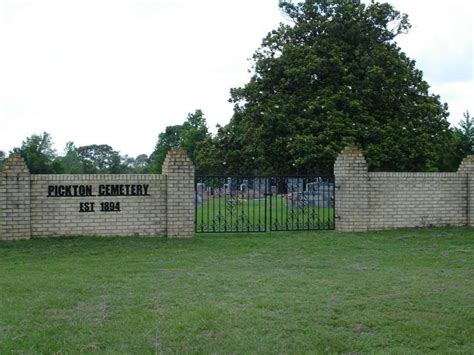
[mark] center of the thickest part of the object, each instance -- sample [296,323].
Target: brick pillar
[15,215]
[467,167]
[179,172]
[352,199]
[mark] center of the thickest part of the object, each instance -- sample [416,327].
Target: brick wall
[143,215]
[385,200]
[102,205]
[180,197]
[15,214]
[417,200]
[351,197]
[154,205]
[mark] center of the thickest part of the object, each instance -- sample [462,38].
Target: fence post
[467,167]
[179,172]
[15,200]
[352,200]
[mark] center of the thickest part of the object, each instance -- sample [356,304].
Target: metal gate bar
[301,203]
[257,203]
[230,204]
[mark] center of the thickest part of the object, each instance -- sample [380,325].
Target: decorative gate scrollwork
[257,204]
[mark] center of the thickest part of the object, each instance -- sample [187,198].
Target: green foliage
[333,77]
[38,154]
[210,157]
[95,158]
[190,136]
[90,159]
[167,140]
[194,132]
[140,163]
[466,131]
[98,158]
[71,161]
[460,145]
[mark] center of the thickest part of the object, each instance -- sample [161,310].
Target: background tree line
[334,76]
[193,135]
[41,158]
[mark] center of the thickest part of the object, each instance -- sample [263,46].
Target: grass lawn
[403,291]
[219,214]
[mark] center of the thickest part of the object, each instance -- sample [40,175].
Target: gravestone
[295,185]
[226,188]
[244,186]
[317,195]
[260,185]
[200,188]
[312,186]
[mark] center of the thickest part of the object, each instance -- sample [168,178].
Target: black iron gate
[259,203]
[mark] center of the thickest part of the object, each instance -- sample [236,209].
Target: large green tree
[190,136]
[331,77]
[140,163]
[38,154]
[71,162]
[167,140]
[99,158]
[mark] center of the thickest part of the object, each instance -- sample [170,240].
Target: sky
[118,72]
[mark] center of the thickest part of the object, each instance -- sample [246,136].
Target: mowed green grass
[405,291]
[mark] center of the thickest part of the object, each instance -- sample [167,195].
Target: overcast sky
[118,72]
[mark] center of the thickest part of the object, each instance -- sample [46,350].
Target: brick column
[179,172]
[352,199]
[15,214]
[467,167]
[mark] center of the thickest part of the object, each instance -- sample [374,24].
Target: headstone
[295,185]
[312,186]
[317,195]
[200,188]
[260,184]
[273,190]
[226,188]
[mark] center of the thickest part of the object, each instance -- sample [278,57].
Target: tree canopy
[38,153]
[334,76]
[41,158]
[466,130]
[189,135]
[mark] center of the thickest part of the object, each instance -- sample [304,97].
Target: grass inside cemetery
[224,213]
[399,291]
